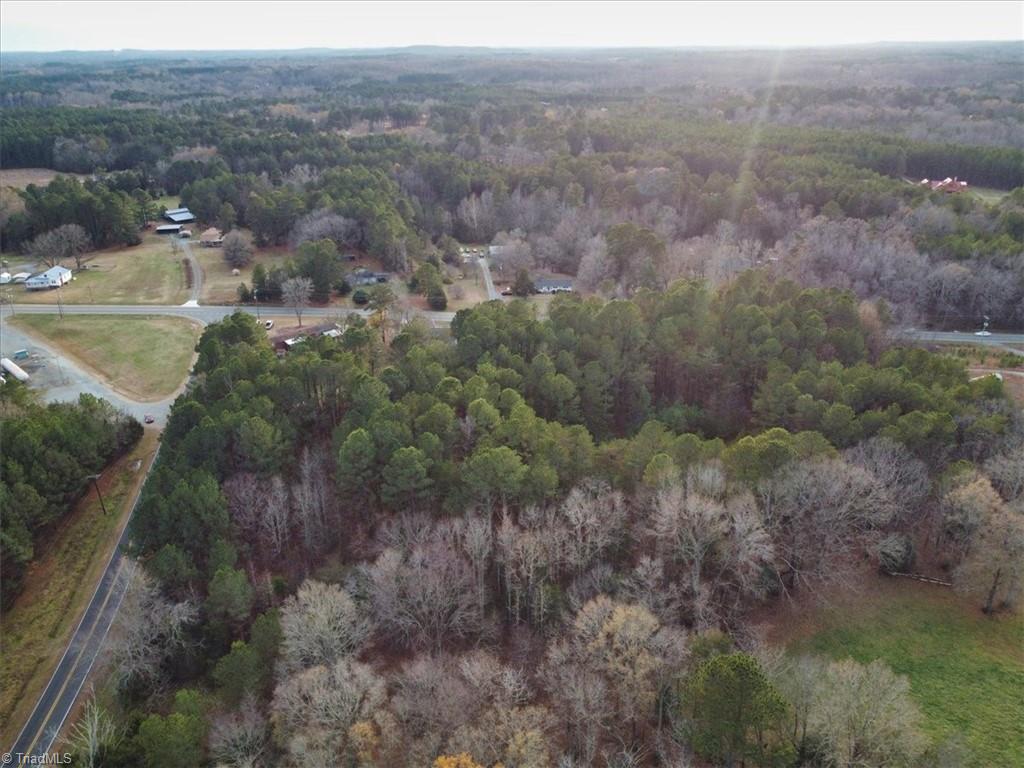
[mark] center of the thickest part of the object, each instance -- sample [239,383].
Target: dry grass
[145,357]
[59,584]
[19,178]
[149,273]
[219,285]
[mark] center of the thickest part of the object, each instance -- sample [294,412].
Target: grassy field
[147,358]
[60,581]
[966,670]
[990,196]
[143,274]
[19,178]
[219,285]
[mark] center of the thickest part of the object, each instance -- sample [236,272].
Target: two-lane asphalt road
[43,726]
[205,313]
[1005,341]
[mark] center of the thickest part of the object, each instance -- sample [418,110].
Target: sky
[211,25]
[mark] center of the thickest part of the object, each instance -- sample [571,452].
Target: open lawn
[966,670]
[143,274]
[990,196]
[467,287]
[219,285]
[145,357]
[59,583]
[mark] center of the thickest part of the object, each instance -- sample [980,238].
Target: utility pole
[256,298]
[96,485]
[60,301]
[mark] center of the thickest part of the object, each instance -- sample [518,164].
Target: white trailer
[13,368]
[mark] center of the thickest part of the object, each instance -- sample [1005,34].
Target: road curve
[40,731]
[75,379]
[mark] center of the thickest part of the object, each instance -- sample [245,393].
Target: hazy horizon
[62,27]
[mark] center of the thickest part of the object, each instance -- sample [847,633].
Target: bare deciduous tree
[237,248]
[322,224]
[595,516]
[314,709]
[275,516]
[426,598]
[820,513]
[93,733]
[993,568]
[312,499]
[1006,470]
[296,292]
[240,738]
[149,628]
[320,624]
[864,715]
[68,241]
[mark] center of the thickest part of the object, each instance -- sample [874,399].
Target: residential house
[946,185]
[552,285]
[54,277]
[364,276]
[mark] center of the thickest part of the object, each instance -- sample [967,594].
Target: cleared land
[19,178]
[145,357]
[142,274]
[219,285]
[966,670]
[59,583]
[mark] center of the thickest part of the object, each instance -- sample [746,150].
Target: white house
[54,277]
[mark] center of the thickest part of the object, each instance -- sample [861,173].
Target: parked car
[983,333]
[268,324]
[148,418]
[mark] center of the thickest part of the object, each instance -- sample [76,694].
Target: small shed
[211,238]
[168,229]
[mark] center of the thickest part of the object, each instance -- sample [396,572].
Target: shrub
[895,553]
[436,299]
[360,296]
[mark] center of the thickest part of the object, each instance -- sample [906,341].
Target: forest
[537,543]
[545,535]
[719,174]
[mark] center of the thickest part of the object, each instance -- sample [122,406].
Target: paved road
[206,313]
[40,732]
[1000,340]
